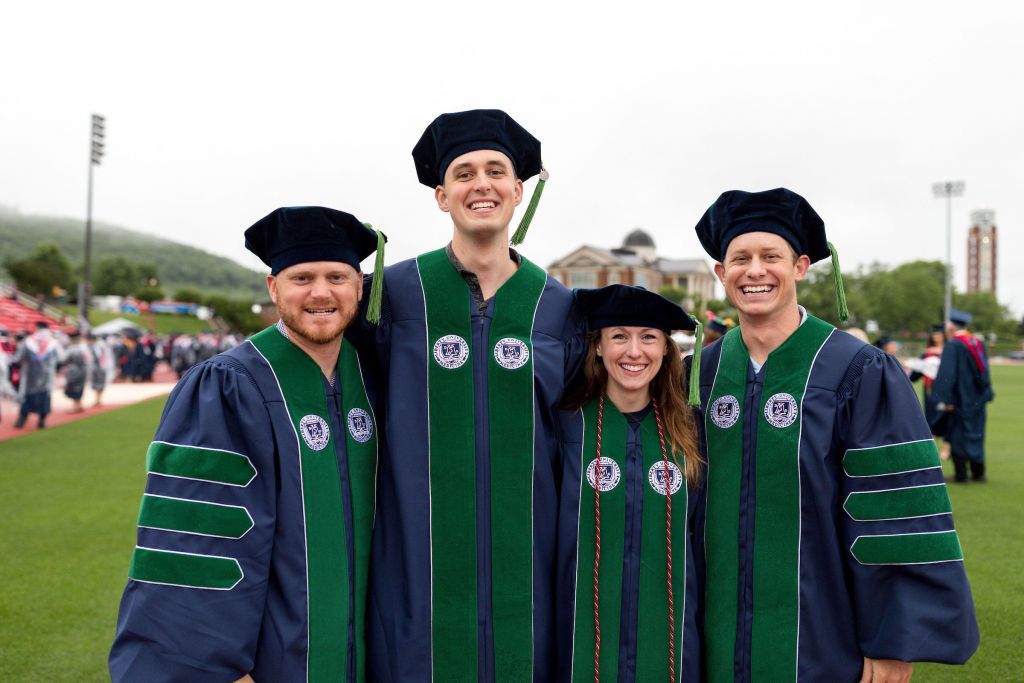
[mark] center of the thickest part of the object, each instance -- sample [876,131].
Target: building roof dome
[638,238]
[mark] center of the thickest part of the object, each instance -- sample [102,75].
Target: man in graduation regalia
[829,541]
[961,392]
[254,530]
[477,343]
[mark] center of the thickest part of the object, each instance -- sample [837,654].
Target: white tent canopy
[116,326]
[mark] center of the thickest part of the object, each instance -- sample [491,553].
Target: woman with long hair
[631,467]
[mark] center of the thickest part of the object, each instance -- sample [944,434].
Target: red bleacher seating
[17,317]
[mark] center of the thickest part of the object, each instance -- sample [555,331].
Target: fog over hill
[178,265]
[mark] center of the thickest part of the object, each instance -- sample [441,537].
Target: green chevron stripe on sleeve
[194,517]
[892,459]
[917,501]
[202,464]
[927,548]
[184,569]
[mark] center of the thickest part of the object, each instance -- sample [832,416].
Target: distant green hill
[179,266]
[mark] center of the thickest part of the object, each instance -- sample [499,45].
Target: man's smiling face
[317,300]
[760,272]
[480,191]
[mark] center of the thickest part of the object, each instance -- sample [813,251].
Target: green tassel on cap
[837,276]
[698,342]
[531,209]
[377,288]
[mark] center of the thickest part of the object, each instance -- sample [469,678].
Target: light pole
[95,154]
[948,189]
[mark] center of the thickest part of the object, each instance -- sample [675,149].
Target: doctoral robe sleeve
[910,592]
[198,576]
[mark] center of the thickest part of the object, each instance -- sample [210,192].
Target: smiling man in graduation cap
[254,531]
[478,343]
[829,540]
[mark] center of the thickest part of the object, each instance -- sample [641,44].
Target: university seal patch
[511,353]
[725,411]
[610,474]
[451,351]
[780,410]
[315,432]
[360,426]
[657,476]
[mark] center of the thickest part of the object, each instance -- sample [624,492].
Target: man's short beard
[294,327]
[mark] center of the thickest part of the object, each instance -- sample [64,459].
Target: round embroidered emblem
[656,475]
[315,432]
[780,410]
[725,411]
[511,353]
[610,474]
[451,351]
[360,426]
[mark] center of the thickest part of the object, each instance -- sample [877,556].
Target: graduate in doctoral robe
[960,394]
[631,472]
[828,535]
[254,529]
[477,344]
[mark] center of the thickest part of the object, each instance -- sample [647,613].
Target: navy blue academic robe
[463,561]
[827,532]
[633,569]
[968,388]
[254,529]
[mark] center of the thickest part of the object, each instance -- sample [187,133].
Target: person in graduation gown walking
[254,530]
[631,469]
[960,394]
[828,534]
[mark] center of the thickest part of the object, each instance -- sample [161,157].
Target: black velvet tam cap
[777,211]
[452,135]
[300,234]
[627,306]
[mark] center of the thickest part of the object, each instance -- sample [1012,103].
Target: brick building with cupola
[636,262]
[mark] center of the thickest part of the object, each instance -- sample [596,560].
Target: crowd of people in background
[32,365]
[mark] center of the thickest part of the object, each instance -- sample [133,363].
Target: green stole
[777,519]
[327,556]
[453,487]
[652,608]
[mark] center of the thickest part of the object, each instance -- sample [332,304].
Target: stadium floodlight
[99,125]
[97,140]
[948,189]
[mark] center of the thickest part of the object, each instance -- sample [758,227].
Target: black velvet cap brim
[626,306]
[779,211]
[303,234]
[452,135]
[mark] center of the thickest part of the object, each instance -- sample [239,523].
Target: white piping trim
[890,445]
[892,519]
[901,564]
[533,474]
[185,585]
[255,472]
[579,517]
[302,493]
[199,502]
[800,503]
[430,493]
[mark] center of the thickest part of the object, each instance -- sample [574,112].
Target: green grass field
[69,497]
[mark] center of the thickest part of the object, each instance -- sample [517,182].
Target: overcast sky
[218,112]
